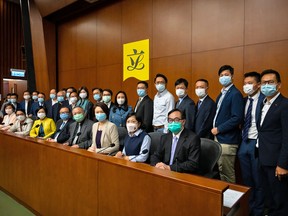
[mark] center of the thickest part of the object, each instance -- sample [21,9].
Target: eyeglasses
[170,120]
[268,82]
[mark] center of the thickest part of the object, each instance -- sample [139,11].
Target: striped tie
[247,120]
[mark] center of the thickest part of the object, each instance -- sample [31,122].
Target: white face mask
[160,87]
[73,100]
[9,111]
[21,117]
[131,127]
[120,101]
[26,97]
[41,115]
[180,92]
[248,89]
[83,95]
[200,92]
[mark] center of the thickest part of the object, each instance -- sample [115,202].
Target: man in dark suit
[205,110]
[273,143]
[62,126]
[246,153]
[185,103]
[144,106]
[179,150]
[61,102]
[36,105]
[80,130]
[26,103]
[226,123]
[49,105]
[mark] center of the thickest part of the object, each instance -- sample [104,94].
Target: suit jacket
[273,135]
[187,106]
[22,106]
[24,130]
[230,116]
[35,106]
[187,153]
[56,108]
[48,126]
[64,132]
[109,135]
[145,112]
[85,138]
[204,118]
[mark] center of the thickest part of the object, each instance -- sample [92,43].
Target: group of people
[254,128]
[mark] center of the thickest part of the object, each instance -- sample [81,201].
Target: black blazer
[22,106]
[187,106]
[187,153]
[273,135]
[64,132]
[204,118]
[145,111]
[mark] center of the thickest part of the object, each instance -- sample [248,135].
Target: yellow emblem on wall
[136,60]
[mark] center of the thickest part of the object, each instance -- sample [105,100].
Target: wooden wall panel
[171,27]
[266,21]
[266,56]
[206,65]
[217,24]
[47,7]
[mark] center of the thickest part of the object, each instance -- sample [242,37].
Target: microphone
[10,124]
[110,146]
[37,126]
[21,125]
[145,151]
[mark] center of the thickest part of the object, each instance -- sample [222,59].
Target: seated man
[179,150]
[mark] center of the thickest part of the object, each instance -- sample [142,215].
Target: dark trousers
[250,170]
[276,191]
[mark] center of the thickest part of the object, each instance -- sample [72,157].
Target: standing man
[246,153]
[144,106]
[273,143]
[179,150]
[205,110]
[26,103]
[185,103]
[226,123]
[163,103]
[107,95]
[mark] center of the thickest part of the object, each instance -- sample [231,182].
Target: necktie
[62,125]
[199,104]
[138,103]
[218,106]
[173,148]
[77,134]
[247,120]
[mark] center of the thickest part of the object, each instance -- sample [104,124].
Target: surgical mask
[21,117]
[225,80]
[200,92]
[67,94]
[9,100]
[248,89]
[60,99]
[41,100]
[64,116]
[26,97]
[180,92]
[160,87]
[79,117]
[73,100]
[100,116]
[175,127]
[131,127]
[268,89]
[9,111]
[96,97]
[52,96]
[41,115]
[83,95]
[34,97]
[141,92]
[120,101]
[106,98]
[13,100]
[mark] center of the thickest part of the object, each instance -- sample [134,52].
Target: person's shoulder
[28,120]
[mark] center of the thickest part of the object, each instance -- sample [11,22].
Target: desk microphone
[145,151]
[111,145]
[37,126]
[21,125]
[2,123]
[10,124]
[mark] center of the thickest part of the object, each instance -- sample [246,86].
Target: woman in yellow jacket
[43,127]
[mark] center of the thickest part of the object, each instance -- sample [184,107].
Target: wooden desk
[53,179]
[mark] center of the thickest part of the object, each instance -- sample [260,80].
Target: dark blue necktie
[247,120]
[199,104]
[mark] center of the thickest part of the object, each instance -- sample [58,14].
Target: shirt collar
[162,93]
[272,100]
[135,133]
[227,87]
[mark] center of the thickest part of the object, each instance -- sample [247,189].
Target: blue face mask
[100,116]
[41,100]
[9,100]
[175,127]
[96,97]
[141,92]
[160,87]
[34,97]
[60,98]
[52,96]
[268,89]
[13,100]
[225,80]
[64,116]
[67,94]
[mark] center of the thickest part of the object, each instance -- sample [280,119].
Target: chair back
[210,154]
[122,131]
[155,141]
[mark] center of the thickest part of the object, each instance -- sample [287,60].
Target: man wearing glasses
[179,149]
